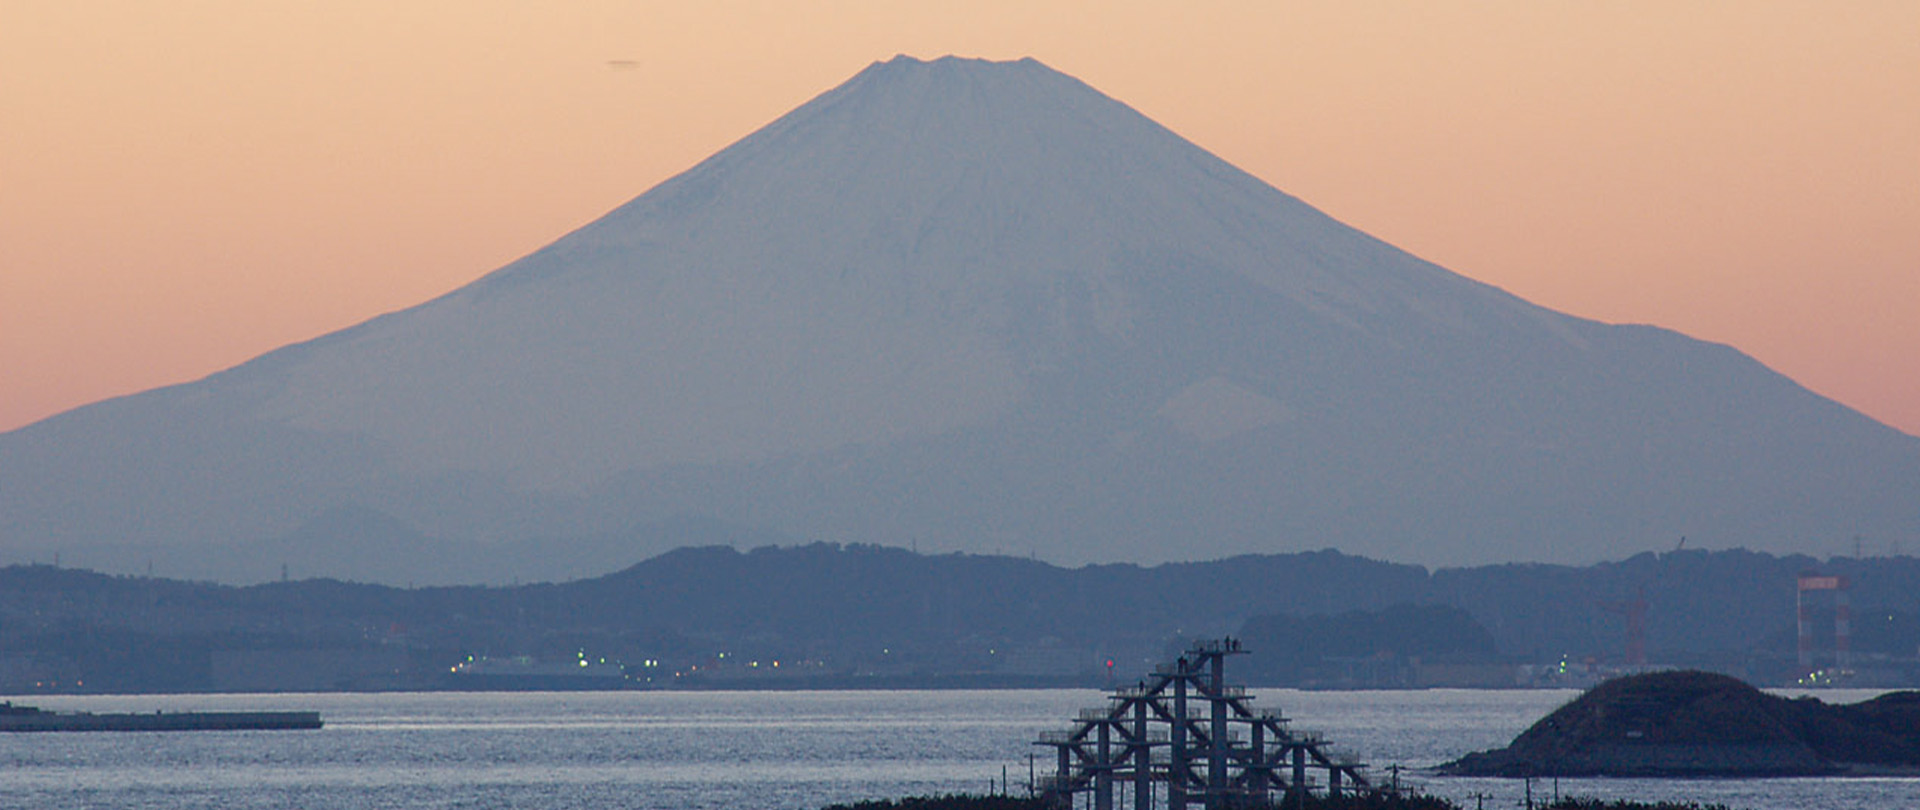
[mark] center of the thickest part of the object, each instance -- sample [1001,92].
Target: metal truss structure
[1185,736]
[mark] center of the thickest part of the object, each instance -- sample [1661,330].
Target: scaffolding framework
[1182,738]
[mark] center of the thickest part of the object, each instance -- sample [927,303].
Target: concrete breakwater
[28,718]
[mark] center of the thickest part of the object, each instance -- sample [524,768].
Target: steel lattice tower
[1185,729]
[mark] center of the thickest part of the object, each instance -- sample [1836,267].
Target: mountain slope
[980,306]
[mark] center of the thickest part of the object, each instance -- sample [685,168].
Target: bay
[770,750]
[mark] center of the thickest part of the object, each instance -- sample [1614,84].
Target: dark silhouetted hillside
[837,615]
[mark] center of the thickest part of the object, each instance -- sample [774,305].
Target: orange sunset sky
[184,185]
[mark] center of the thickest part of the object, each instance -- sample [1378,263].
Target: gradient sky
[185,185]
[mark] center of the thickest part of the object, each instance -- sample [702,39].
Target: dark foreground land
[1376,802]
[1699,724]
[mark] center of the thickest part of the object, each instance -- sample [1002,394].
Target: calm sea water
[754,750]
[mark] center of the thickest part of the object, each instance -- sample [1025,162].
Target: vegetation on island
[1694,724]
[952,801]
[1374,801]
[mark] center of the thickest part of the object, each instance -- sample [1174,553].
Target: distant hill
[971,306]
[1399,647]
[869,615]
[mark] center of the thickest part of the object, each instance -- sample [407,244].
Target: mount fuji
[963,306]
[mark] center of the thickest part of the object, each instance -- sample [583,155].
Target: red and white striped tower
[1842,619]
[1805,647]
[1842,626]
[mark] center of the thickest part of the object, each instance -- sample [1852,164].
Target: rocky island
[1699,724]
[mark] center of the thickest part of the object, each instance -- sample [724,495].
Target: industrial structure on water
[14,717]
[1185,736]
